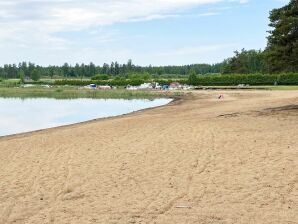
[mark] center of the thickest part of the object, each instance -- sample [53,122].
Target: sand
[197,160]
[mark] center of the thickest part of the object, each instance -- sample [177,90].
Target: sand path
[198,160]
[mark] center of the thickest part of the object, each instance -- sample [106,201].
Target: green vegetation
[115,82]
[282,87]
[282,51]
[22,76]
[100,77]
[192,78]
[250,79]
[244,62]
[35,75]
[72,93]
[9,83]
[11,71]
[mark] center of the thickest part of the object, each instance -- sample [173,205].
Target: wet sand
[196,160]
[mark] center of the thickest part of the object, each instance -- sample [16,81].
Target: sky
[156,32]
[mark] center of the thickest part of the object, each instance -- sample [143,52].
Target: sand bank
[197,160]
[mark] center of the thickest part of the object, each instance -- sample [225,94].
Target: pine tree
[35,76]
[282,48]
[22,76]
[192,77]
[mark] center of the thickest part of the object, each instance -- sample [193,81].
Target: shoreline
[196,160]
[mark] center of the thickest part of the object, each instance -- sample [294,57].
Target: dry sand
[197,160]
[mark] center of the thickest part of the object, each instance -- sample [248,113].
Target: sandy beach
[196,160]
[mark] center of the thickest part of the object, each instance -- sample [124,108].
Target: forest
[114,69]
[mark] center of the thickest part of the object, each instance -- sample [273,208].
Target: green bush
[35,75]
[164,81]
[10,83]
[142,76]
[87,82]
[192,77]
[204,80]
[100,77]
[252,79]
[114,82]
[288,79]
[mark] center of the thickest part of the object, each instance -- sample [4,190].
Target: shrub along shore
[199,80]
[196,80]
[252,79]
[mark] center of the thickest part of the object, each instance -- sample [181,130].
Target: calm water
[23,115]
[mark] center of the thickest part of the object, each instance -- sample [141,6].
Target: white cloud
[32,24]
[58,15]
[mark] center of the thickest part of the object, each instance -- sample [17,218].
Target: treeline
[29,70]
[245,62]
[113,69]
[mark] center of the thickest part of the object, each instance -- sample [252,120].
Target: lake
[24,115]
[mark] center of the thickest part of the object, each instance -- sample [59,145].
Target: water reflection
[23,115]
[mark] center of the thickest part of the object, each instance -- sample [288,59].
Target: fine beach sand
[197,160]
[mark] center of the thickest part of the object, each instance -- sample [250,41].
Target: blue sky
[157,32]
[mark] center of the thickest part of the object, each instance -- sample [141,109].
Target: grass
[9,82]
[72,93]
[257,87]
[283,87]
[276,87]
